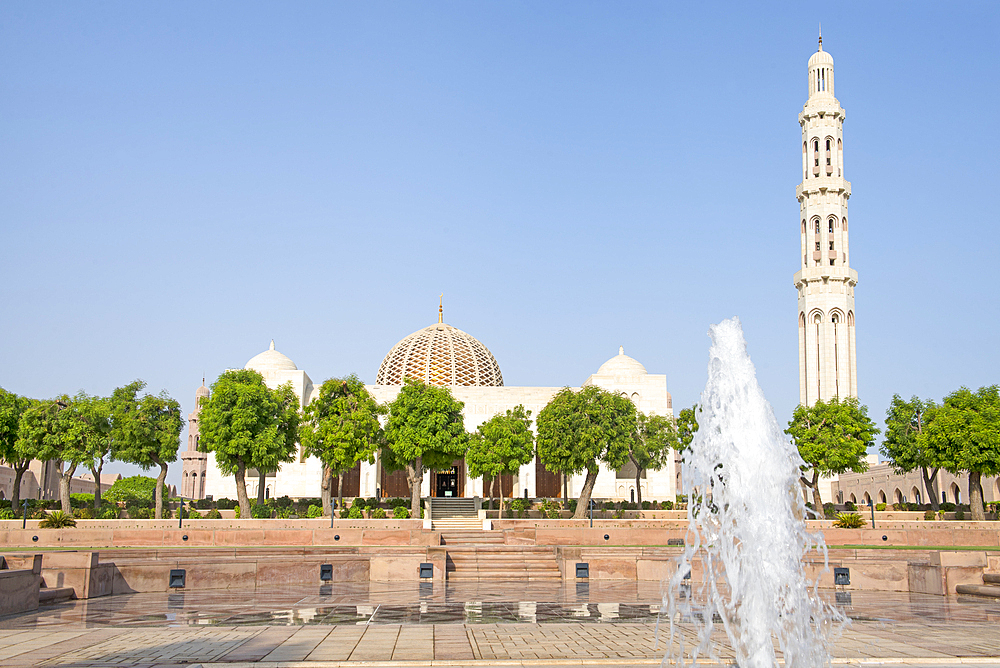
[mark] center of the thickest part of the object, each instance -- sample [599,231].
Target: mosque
[443,355]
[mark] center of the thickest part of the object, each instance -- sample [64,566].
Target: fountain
[746,531]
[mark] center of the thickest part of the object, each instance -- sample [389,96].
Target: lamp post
[24,514]
[871,506]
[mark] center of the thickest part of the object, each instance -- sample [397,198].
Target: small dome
[270,360]
[821,58]
[440,355]
[201,391]
[622,365]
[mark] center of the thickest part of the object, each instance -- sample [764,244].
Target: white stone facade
[825,282]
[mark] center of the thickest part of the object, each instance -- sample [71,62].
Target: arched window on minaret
[840,157]
[835,319]
[815,157]
[818,322]
[829,156]
[805,355]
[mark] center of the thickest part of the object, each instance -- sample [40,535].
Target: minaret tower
[825,283]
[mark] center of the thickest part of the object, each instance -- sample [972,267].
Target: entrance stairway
[502,562]
[455,515]
[990,587]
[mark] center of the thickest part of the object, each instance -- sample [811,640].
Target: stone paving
[488,624]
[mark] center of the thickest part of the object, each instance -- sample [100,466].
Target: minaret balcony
[814,186]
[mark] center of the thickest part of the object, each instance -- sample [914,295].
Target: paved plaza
[513,623]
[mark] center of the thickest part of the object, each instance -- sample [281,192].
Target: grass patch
[939,548]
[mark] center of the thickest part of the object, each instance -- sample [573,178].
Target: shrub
[646,505]
[829,511]
[283,501]
[850,521]
[81,500]
[947,506]
[192,514]
[618,514]
[571,505]
[137,490]
[879,506]
[236,512]
[203,504]
[226,504]
[850,505]
[84,513]
[314,511]
[959,514]
[139,513]
[930,515]
[520,506]
[378,514]
[358,503]
[607,505]
[401,513]
[7,514]
[213,514]
[260,511]
[667,505]
[57,520]
[355,513]
[284,512]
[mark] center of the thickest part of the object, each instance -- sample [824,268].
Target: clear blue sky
[182,182]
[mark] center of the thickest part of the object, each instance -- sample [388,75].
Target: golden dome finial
[441,310]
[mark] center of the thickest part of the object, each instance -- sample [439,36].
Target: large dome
[440,355]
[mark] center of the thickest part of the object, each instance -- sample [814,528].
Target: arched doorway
[881,497]
[915,493]
[956,493]
[899,496]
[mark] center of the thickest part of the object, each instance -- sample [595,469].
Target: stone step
[51,595]
[990,591]
[991,578]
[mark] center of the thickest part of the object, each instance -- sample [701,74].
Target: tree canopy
[577,430]
[146,431]
[12,407]
[247,425]
[905,444]
[66,429]
[965,435]
[341,427]
[425,431]
[832,437]
[652,446]
[687,426]
[501,445]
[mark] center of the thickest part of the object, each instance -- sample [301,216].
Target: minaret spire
[820,37]
[441,310]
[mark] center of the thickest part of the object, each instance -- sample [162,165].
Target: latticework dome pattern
[440,355]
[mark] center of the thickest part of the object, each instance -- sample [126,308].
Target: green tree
[965,433]
[905,444]
[289,421]
[146,431]
[577,430]
[67,430]
[247,426]
[501,445]
[832,437]
[341,428]
[652,446]
[687,426]
[425,431]
[12,407]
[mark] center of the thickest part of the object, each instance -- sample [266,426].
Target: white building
[443,355]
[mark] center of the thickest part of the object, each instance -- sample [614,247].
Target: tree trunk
[158,495]
[500,495]
[817,499]
[64,480]
[976,496]
[340,491]
[415,476]
[488,487]
[584,501]
[96,472]
[326,490]
[241,491]
[261,485]
[638,489]
[565,487]
[15,495]
[931,488]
